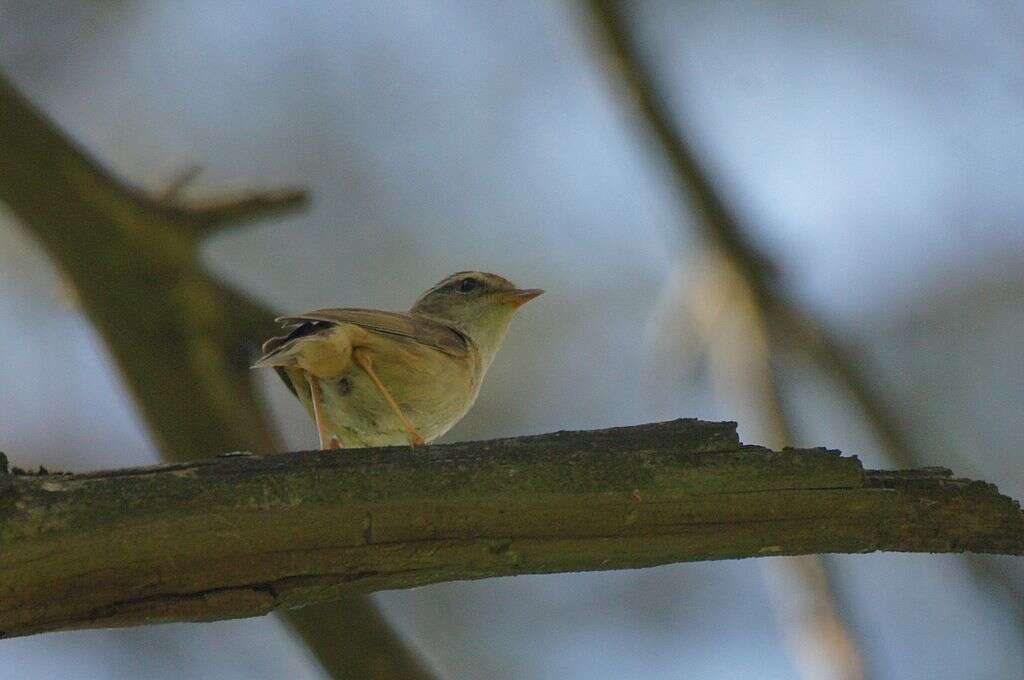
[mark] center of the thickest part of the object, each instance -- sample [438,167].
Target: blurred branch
[215,213]
[182,339]
[815,630]
[642,97]
[288,530]
[723,311]
[212,213]
[792,327]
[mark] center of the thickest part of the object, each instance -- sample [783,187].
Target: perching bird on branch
[373,378]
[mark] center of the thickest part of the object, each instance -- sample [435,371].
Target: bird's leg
[326,440]
[364,362]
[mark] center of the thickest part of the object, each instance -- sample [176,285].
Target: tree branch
[217,212]
[816,631]
[211,213]
[792,328]
[182,339]
[241,535]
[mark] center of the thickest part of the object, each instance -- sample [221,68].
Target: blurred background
[871,151]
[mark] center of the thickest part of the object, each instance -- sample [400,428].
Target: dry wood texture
[241,535]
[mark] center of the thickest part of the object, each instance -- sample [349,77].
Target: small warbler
[373,378]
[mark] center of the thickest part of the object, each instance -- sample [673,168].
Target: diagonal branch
[732,327]
[816,631]
[260,533]
[790,326]
[181,338]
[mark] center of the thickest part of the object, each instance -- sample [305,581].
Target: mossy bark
[246,534]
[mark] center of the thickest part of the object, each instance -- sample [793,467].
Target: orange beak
[518,298]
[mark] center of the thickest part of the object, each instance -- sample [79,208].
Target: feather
[415,327]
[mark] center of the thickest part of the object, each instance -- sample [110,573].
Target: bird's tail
[279,351]
[276,353]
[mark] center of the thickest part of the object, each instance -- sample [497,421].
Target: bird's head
[478,304]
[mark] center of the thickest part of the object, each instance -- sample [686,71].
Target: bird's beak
[518,298]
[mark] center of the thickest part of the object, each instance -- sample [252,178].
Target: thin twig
[177,184]
[203,216]
[207,215]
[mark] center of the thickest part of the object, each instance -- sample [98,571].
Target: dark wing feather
[298,331]
[412,326]
[271,346]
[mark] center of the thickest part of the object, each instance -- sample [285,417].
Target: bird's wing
[411,326]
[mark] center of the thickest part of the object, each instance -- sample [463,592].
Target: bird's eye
[467,285]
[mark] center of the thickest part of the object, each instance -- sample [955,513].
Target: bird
[374,378]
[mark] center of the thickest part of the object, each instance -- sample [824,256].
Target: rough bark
[241,535]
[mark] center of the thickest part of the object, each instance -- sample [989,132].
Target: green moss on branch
[259,533]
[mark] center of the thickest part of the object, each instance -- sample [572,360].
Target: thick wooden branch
[241,535]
